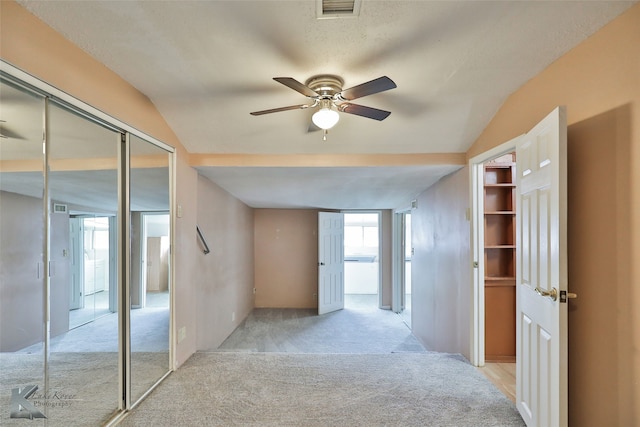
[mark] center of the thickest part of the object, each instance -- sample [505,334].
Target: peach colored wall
[225,279]
[286,258]
[440,266]
[284,235]
[35,48]
[600,319]
[599,82]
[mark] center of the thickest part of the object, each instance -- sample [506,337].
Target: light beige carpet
[277,389]
[82,389]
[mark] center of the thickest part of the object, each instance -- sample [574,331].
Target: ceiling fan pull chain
[324,136]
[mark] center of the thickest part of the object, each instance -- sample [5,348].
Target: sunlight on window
[96,233]
[361,235]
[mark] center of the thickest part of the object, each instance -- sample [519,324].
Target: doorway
[402,249]
[494,245]
[499,259]
[362,258]
[539,203]
[92,256]
[494,249]
[405,281]
[154,253]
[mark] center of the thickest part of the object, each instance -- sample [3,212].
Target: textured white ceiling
[207,64]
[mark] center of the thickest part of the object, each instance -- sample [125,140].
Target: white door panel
[541,273]
[330,262]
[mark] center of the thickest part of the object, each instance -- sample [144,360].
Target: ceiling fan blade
[361,110]
[369,88]
[8,134]
[297,86]
[276,110]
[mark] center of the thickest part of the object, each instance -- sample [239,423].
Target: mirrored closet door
[22,248]
[85,265]
[150,264]
[83,191]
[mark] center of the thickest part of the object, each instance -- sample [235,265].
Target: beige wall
[225,275]
[186,255]
[22,268]
[21,244]
[38,50]
[599,82]
[61,272]
[440,266]
[286,258]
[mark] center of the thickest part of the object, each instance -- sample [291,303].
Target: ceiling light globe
[325,118]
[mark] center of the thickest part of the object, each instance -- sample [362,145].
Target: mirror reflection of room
[61,246]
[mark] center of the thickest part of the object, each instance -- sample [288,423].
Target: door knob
[321,263]
[553,293]
[564,296]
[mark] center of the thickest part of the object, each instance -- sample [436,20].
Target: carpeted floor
[82,388]
[84,364]
[360,328]
[360,366]
[278,389]
[149,333]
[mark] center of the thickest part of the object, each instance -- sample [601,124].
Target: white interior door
[153,264]
[330,262]
[76,245]
[541,273]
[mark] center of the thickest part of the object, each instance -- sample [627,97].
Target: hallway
[360,328]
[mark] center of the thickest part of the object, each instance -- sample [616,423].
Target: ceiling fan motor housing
[325,85]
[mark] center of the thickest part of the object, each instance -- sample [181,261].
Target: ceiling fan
[327,93]
[6,133]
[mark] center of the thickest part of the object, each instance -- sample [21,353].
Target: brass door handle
[553,293]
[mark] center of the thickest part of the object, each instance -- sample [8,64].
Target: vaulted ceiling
[207,64]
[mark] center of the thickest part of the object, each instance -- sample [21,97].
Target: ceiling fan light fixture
[325,117]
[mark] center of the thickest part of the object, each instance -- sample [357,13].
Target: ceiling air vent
[333,9]
[59,208]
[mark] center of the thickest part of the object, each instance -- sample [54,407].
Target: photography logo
[21,407]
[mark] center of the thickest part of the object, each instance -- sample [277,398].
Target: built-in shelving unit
[500,259]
